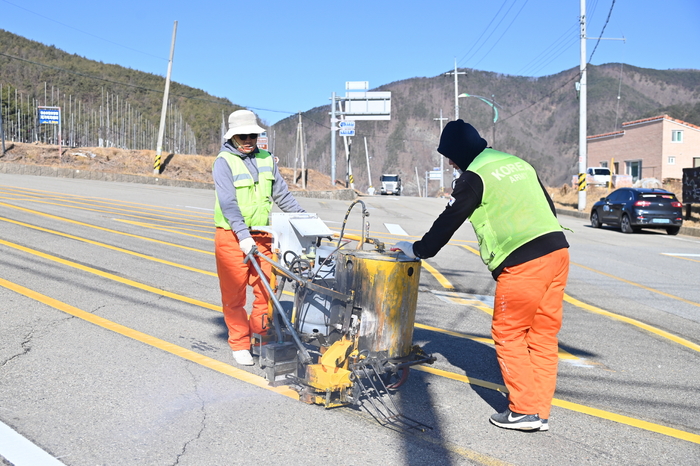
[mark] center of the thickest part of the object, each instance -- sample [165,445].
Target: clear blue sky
[280,57]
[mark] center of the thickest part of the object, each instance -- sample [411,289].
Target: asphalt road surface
[113,348]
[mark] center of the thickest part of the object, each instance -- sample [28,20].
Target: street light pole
[456,73]
[493,105]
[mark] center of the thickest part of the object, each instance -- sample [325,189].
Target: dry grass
[198,168]
[139,162]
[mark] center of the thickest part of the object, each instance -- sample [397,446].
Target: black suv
[635,208]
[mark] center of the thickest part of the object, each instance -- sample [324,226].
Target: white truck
[598,176]
[390,184]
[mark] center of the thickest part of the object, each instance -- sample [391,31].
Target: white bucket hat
[242,122]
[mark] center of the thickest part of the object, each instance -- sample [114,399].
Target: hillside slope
[49,76]
[538,119]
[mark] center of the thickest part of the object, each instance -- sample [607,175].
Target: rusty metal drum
[385,287]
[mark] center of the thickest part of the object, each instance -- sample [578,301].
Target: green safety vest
[513,210]
[254,199]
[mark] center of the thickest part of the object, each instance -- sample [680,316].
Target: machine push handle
[306,358]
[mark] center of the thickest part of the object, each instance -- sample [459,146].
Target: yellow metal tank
[385,287]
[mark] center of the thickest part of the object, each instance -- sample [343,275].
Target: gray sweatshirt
[226,192]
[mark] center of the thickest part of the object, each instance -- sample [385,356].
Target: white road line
[679,255]
[21,452]
[395,229]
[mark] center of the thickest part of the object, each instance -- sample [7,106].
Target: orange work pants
[527,315]
[234,277]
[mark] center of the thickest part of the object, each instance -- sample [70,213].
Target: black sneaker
[545,424]
[510,420]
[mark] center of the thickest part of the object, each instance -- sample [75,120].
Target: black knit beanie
[461,143]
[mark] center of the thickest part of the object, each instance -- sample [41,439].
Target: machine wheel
[625,224]
[673,230]
[595,221]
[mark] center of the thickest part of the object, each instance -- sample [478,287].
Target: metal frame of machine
[349,332]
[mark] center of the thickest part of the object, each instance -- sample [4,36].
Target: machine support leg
[306,358]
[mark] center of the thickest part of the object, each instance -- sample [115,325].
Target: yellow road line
[151,341]
[101,200]
[109,212]
[114,248]
[377,234]
[111,276]
[217,365]
[630,421]
[453,333]
[472,250]
[438,276]
[563,354]
[210,363]
[636,323]
[679,257]
[638,285]
[75,222]
[169,230]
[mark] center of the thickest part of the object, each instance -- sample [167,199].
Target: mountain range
[538,118]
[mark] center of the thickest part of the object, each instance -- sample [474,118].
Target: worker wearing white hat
[247,182]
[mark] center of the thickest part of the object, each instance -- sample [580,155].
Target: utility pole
[417,181]
[456,73]
[370,189]
[161,129]
[442,159]
[2,130]
[299,153]
[333,129]
[582,128]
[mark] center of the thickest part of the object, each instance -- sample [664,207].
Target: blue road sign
[49,115]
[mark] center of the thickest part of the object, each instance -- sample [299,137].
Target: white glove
[406,247]
[247,245]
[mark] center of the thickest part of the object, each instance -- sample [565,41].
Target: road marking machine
[347,336]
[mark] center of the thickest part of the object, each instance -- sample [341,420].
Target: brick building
[659,147]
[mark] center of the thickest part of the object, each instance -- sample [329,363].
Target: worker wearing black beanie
[461,143]
[522,243]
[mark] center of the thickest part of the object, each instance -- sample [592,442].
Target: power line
[544,54]
[575,76]
[84,32]
[601,32]
[502,34]
[484,31]
[494,29]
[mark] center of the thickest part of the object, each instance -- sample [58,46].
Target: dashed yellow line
[172,229]
[111,276]
[107,203]
[107,246]
[111,212]
[75,222]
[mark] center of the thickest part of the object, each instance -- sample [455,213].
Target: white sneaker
[243,357]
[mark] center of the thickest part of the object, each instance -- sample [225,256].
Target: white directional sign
[346,132]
